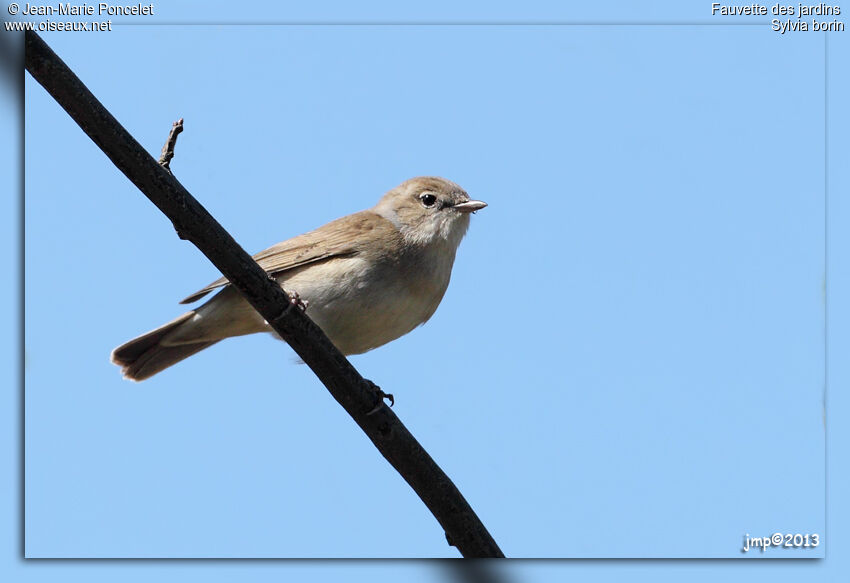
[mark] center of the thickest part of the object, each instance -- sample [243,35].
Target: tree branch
[168,149]
[191,220]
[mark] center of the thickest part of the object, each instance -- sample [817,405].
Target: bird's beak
[470,206]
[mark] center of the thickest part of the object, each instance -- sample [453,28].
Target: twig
[356,395]
[168,149]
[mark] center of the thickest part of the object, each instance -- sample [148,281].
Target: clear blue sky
[629,361]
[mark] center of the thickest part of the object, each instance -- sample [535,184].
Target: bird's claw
[381,395]
[296,300]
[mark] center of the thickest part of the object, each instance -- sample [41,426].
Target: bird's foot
[296,300]
[381,395]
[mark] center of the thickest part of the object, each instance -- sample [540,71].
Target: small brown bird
[368,278]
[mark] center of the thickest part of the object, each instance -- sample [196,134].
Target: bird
[367,279]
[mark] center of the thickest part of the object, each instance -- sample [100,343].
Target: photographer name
[100,9]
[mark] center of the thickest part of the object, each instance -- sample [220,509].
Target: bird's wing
[340,238]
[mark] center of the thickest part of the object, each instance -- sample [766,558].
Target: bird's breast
[362,304]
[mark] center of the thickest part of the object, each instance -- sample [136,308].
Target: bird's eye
[428,199]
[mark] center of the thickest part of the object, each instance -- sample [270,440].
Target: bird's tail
[150,353]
